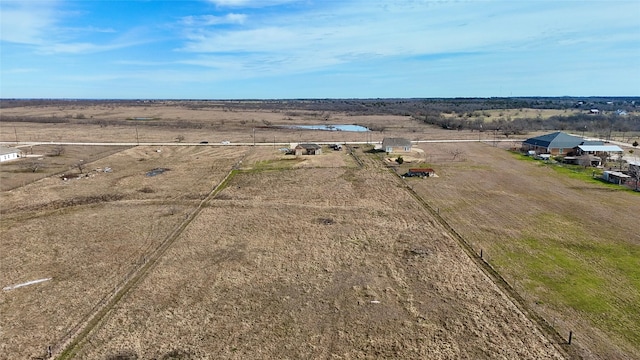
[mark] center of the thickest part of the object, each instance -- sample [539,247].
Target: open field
[316,262]
[310,256]
[313,258]
[491,115]
[48,160]
[571,248]
[89,233]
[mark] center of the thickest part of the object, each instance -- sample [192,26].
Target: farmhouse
[307,149]
[7,153]
[557,143]
[390,145]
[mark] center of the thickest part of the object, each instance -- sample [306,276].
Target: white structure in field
[7,154]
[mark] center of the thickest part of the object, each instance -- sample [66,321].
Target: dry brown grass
[315,263]
[89,233]
[567,246]
[285,261]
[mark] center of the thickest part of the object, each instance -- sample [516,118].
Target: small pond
[356,128]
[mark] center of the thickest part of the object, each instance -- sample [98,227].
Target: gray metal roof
[7,150]
[309,146]
[556,140]
[402,142]
[600,148]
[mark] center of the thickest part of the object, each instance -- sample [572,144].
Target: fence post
[570,336]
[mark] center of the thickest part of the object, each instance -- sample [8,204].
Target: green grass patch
[564,266]
[586,174]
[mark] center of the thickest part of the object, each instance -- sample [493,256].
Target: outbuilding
[8,154]
[422,172]
[307,149]
[596,149]
[615,177]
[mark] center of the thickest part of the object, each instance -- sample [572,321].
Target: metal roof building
[600,148]
[556,143]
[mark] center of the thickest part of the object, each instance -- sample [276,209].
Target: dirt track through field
[348,266]
[67,349]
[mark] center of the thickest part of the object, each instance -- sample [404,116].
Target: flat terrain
[88,234]
[571,248]
[243,252]
[316,262]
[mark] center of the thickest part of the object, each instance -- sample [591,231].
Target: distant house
[634,166]
[557,143]
[307,149]
[8,154]
[396,145]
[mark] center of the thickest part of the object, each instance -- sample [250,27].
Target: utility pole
[254,136]
[137,139]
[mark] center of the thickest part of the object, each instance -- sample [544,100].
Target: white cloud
[250,3]
[354,31]
[26,22]
[208,20]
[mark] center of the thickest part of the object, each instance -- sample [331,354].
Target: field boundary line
[355,157]
[552,334]
[75,338]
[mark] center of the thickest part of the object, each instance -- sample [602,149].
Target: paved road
[34,143]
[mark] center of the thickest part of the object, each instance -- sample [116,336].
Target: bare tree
[456,153]
[604,156]
[33,165]
[80,166]
[180,138]
[58,150]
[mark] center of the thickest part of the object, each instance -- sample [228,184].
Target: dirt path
[82,330]
[346,265]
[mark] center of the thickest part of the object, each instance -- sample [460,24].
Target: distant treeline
[577,122]
[614,113]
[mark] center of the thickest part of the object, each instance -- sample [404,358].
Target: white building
[7,153]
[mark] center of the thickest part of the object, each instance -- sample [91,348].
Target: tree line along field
[340,260]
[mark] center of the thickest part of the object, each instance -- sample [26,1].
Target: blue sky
[271,49]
